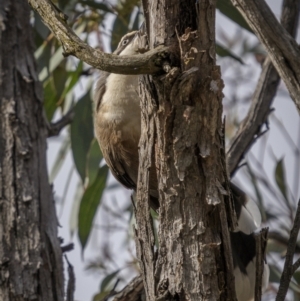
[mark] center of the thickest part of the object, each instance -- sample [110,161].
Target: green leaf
[94,158]
[107,280]
[54,62]
[98,5]
[73,222]
[89,204]
[297,277]
[101,296]
[280,179]
[56,58]
[226,8]
[223,52]
[82,133]
[60,76]
[49,98]
[73,77]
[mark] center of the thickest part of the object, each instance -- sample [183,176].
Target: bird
[117,122]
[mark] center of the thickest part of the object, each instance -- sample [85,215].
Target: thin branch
[282,48]
[261,244]
[71,281]
[263,96]
[55,128]
[147,63]
[67,248]
[289,268]
[296,265]
[112,292]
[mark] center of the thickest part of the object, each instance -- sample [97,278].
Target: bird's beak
[142,41]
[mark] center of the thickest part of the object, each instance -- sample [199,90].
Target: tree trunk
[181,114]
[30,254]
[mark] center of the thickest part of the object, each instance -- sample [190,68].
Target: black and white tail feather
[243,246]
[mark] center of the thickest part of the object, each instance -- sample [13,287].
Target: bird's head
[128,44]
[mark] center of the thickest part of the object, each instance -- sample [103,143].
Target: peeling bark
[194,259]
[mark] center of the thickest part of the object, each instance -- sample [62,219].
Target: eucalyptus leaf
[226,8]
[72,80]
[297,276]
[82,133]
[105,282]
[101,296]
[223,52]
[73,222]
[50,98]
[89,204]
[280,179]
[94,158]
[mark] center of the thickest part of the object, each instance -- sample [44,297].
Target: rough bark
[30,253]
[186,111]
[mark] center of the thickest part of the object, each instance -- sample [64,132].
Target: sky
[275,143]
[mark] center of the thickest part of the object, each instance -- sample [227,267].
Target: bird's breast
[120,106]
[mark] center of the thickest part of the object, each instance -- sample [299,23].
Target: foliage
[67,84]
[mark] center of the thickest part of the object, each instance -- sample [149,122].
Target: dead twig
[55,127]
[261,244]
[71,281]
[289,267]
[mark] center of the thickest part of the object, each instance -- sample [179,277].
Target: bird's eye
[125,42]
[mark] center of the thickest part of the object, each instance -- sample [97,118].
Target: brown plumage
[117,121]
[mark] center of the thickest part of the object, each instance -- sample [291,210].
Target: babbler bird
[117,120]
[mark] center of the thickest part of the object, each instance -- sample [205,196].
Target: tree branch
[281,46]
[71,281]
[55,127]
[263,96]
[147,63]
[261,244]
[289,268]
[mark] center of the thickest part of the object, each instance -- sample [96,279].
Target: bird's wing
[244,246]
[100,90]
[118,169]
